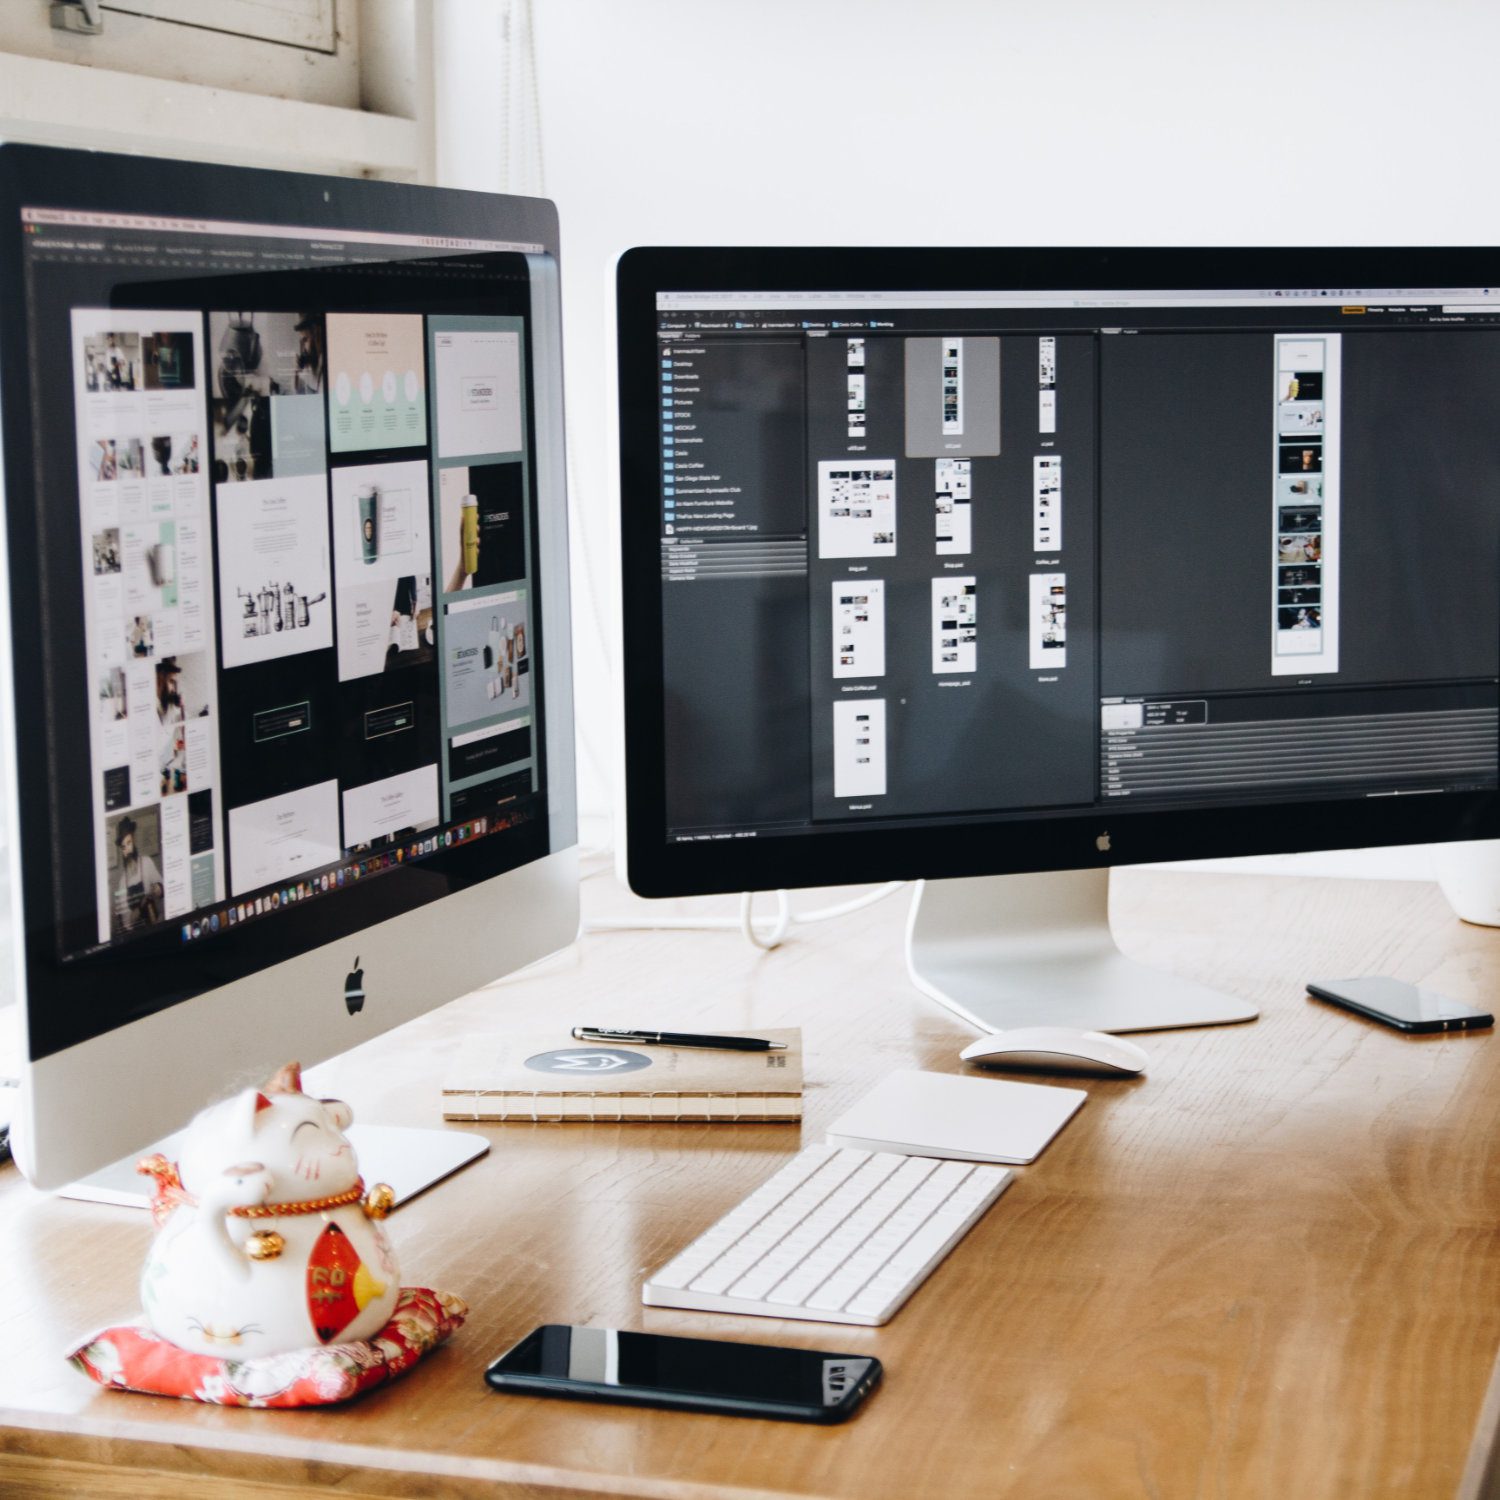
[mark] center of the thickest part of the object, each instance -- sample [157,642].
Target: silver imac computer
[288,722]
[994,569]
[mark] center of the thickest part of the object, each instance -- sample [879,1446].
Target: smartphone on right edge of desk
[715,1375]
[1402,1005]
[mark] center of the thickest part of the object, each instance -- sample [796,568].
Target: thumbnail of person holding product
[171,727]
[311,363]
[114,365]
[139,892]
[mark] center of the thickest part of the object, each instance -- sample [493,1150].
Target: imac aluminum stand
[1036,950]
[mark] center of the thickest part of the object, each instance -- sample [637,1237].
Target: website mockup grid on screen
[292,470]
[968,555]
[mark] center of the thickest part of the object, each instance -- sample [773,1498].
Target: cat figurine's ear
[288,1080]
[218,1135]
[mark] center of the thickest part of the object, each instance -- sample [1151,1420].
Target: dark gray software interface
[964,555]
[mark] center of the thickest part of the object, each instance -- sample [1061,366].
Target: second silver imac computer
[995,568]
[289,734]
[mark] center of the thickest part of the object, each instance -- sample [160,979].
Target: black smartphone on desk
[1402,1005]
[651,1369]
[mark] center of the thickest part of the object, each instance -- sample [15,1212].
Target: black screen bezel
[659,867]
[152,973]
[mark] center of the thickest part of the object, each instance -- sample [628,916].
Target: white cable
[781,923]
[592,621]
[662,924]
[520,103]
[858,903]
[534,94]
[779,930]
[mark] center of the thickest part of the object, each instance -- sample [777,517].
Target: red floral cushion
[133,1358]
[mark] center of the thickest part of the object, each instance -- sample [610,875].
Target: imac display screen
[935,561]
[286,567]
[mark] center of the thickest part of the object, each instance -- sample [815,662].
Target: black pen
[675,1039]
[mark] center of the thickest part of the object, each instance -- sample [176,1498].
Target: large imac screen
[949,560]
[284,583]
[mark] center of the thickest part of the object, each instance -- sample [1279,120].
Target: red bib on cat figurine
[339,1284]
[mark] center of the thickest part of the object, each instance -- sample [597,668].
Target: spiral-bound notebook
[546,1077]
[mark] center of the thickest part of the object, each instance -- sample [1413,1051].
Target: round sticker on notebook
[594,1061]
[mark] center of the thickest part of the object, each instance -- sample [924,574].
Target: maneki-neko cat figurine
[267,1241]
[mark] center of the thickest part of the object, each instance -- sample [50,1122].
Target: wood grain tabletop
[1268,1268]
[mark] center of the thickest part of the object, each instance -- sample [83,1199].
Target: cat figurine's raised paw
[267,1240]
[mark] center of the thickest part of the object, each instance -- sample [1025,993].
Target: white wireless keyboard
[839,1235]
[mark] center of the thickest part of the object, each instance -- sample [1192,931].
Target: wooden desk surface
[1271,1267]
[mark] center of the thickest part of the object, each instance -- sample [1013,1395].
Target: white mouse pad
[965,1119]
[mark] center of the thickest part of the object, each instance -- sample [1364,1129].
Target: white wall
[983,122]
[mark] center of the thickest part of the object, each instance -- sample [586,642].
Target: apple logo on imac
[1101,844]
[354,988]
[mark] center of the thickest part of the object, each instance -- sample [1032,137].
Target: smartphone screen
[702,1374]
[1401,1004]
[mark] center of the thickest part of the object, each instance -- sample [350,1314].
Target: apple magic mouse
[1059,1049]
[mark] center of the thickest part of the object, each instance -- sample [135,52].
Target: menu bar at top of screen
[1324,296]
[80,219]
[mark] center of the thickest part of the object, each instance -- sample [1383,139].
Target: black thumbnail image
[1302,385]
[1300,458]
[1299,596]
[1300,518]
[1300,618]
[482,513]
[169,362]
[389,748]
[1299,577]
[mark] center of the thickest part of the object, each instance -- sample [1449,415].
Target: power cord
[745,924]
